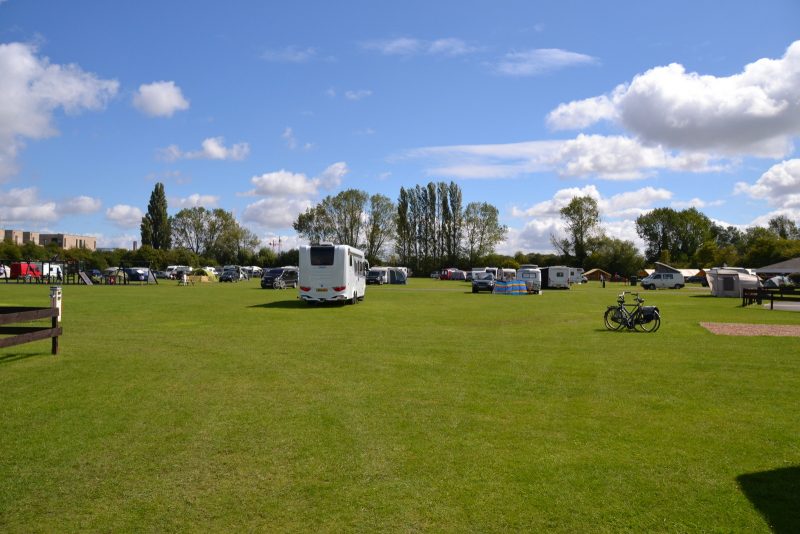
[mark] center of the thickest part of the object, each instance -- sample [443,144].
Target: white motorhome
[575,275]
[556,277]
[332,273]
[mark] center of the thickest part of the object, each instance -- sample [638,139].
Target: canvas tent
[594,274]
[782,268]
[730,281]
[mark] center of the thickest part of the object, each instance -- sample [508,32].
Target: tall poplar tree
[155,225]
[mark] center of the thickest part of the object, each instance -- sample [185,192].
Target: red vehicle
[25,270]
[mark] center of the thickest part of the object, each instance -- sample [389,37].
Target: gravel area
[744,329]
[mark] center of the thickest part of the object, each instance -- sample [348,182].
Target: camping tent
[730,281]
[594,274]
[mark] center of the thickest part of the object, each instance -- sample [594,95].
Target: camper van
[532,277]
[575,275]
[556,277]
[332,273]
[663,281]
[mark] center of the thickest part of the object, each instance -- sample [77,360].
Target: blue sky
[264,108]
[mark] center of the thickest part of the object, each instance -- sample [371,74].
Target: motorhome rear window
[321,255]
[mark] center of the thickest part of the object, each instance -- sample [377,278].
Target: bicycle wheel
[608,318]
[652,326]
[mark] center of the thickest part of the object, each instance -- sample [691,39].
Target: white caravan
[332,273]
[557,277]
[532,277]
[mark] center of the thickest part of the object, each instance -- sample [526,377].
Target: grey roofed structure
[783,267]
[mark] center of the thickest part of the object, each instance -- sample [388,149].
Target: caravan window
[321,255]
[559,275]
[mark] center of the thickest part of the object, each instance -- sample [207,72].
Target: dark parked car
[697,279]
[229,276]
[279,278]
[483,282]
[376,276]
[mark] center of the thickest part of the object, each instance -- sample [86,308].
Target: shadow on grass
[296,305]
[8,358]
[776,495]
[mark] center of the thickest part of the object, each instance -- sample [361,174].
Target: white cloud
[196,200]
[31,89]
[211,148]
[81,205]
[779,186]
[618,214]
[124,216]
[754,112]
[359,94]
[283,183]
[409,46]
[540,61]
[606,157]
[628,204]
[332,176]
[290,54]
[288,194]
[160,99]
[697,203]
[291,140]
[21,207]
[275,212]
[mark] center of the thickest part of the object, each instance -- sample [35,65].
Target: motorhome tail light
[339,288]
[304,288]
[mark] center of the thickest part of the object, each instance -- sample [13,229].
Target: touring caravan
[332,273]
[532,277]
[556,277]
[730,281]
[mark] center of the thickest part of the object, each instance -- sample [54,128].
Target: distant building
[20,237]
[69,241]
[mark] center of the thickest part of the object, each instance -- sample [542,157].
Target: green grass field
[225,407]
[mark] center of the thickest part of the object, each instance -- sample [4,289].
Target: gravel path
[743,329]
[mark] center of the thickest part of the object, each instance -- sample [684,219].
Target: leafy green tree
[380,226]
[615,256]
[155,227]
[783,227]
[582,222]
[482,230]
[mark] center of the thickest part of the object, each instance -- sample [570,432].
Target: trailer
[332,273]
[556,277]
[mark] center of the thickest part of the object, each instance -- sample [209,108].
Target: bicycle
[632,316]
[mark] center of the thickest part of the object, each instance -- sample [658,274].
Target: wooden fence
[26,334]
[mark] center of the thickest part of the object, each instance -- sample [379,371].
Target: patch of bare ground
[744,329]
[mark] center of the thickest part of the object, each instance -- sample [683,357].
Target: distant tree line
[429,228]
[681,238]
[426,229]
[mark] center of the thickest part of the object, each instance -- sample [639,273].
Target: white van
[663,281]
[332,273]
[557,277]
[575,275]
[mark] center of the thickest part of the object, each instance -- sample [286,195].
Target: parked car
[377,276]
[280,278]
[161,274]
[482,282]
[698,279]
[229,275]
[137,274]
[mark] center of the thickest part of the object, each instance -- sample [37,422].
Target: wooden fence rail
[757,296]
[26,334]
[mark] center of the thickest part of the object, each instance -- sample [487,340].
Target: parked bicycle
[632,316]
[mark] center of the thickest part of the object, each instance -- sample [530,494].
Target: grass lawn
[225,407]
